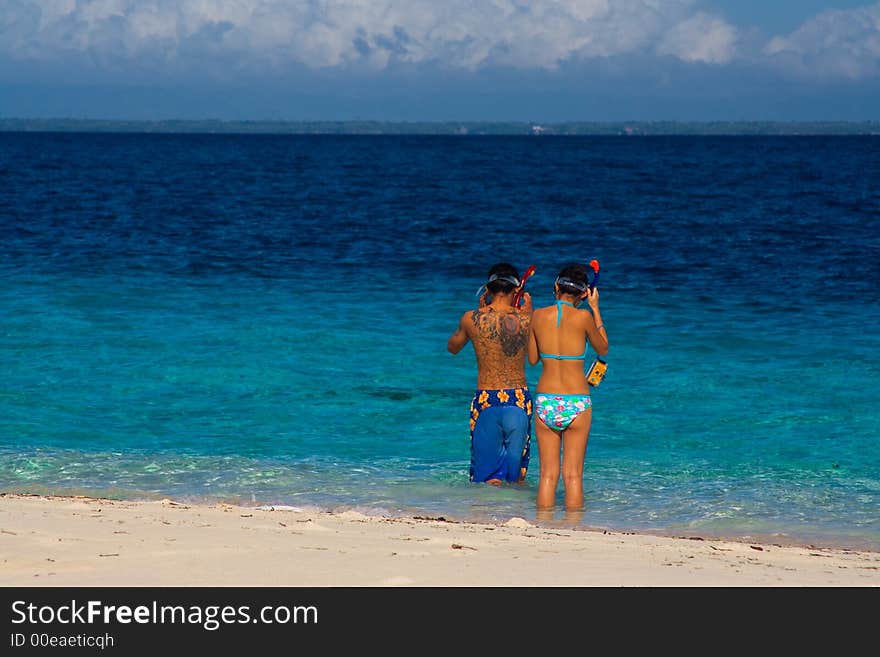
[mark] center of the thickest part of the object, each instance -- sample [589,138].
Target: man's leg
[517,430]
[488,454]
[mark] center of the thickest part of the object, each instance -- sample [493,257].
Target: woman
[561,337]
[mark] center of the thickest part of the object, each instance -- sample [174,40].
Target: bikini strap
[559,303]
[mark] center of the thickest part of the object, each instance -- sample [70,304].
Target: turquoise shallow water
[202,392]
[260,351]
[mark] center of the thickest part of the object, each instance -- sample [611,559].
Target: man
[501,410]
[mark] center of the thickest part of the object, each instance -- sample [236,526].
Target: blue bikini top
[559,319]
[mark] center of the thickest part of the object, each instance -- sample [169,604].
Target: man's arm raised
[459,339]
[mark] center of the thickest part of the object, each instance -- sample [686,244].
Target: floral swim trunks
[500,431]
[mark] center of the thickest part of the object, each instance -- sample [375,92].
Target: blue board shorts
[501,429]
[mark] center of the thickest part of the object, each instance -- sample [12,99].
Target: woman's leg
[548,453]
[574,448]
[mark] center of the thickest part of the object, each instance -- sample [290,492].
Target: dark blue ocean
[263,320]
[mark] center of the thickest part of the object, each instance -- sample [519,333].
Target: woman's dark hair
[501,285]
[573,279]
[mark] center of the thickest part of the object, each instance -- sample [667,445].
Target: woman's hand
[526,306]
[592,298]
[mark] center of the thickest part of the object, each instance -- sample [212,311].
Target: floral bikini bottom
[559,411]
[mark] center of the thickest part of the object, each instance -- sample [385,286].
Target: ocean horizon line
[441,127]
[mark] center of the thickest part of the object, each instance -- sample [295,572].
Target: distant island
[356,127]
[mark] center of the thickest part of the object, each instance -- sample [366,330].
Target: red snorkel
[595,265]
[521,290]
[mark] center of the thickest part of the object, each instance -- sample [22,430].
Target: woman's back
[561,342]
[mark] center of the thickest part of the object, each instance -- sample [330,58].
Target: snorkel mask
[495,277]
[577,285]
[562,281]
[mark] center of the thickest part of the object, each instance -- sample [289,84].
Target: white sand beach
[82,541]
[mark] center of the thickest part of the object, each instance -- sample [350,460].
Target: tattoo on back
[510,330]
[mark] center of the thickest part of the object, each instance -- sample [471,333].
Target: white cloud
[700,38]
[457,34]
[231,36]
[832,44]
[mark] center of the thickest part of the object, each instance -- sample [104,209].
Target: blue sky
[536,60]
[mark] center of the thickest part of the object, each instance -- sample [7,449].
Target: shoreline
[558,519]
[90,541]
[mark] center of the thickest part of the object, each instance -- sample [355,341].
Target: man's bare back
[500,339]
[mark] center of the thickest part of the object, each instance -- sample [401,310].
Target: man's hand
[526,303]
